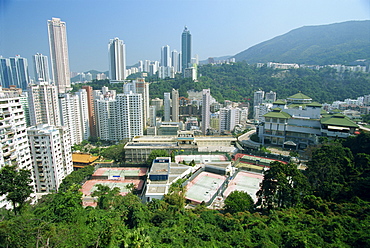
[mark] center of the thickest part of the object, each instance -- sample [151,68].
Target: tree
[16,185]
[154,154]
[330,171]
[238,201]
[115,152]
[283,186]
[106,196]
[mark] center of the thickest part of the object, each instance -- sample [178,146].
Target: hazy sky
[218,28]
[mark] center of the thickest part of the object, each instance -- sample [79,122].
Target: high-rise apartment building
[59,54]
[270,96]
[121,117]
[165,56]
[14,71]
[14,147]
[74,115]
[142,88]
[175,61]
[43,104]
[206,112]
[167,106]
[229,117]
[258,97]
[91,109]
[19,72]
[175,105]
[41,68]
[185,49]
[5,75]
[51,155]
[117,60]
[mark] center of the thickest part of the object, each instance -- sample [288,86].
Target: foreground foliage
[298,212]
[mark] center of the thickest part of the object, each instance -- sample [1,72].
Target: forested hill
[238,82]
[338,43]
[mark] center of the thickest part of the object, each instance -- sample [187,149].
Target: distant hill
[339,43]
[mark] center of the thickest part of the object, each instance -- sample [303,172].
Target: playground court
[203,187]
[245,181]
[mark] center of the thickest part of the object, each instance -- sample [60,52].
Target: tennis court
[90,186]
[121,172]
[245,181]
[203,187]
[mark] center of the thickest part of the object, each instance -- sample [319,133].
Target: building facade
[206,112]
[51,154]
[59,54]
[41,68]
[185,49]
[117,60]
[43,104]
[14,145]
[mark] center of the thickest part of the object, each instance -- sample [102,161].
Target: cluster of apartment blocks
[360,66]
[43,149]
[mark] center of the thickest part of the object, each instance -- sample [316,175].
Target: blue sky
[218,27]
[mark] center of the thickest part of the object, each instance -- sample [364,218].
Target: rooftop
[83,158]
[338,120]
[300,96]
[277,113]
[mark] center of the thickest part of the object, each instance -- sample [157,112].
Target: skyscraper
[41,68]
[14,71]
[175,61]
[185,49]
[165,56]
[117,59]
[175,105]
[167,106]
[206,112]
[59,54]
[19,72]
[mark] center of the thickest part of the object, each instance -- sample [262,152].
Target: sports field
[203,187]
[200,159]
[245,181]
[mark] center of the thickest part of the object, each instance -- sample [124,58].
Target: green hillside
[339,43]
[238,81]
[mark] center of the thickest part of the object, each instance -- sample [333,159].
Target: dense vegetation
[326,206]
[339,43]
[238,82]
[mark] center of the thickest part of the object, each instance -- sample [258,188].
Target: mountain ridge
[337,43]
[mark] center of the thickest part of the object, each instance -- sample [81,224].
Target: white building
[117,60]
[74,115]
[294,124]
[43,104]
[59,54]
[167,106]
[166,72]
[14,147]
[166,56]
[41,68]
[51,155]
[258,97]
[206,111]
[175,105]
[120,118]
[229,118]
